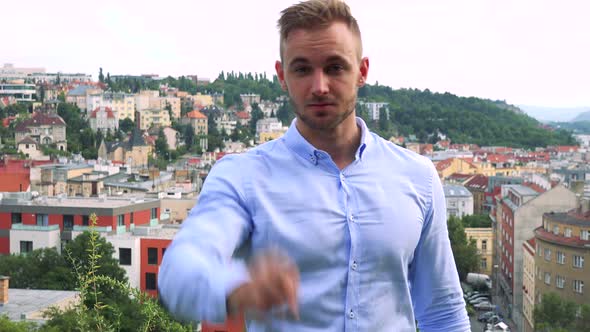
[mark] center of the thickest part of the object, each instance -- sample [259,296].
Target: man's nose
[319,84]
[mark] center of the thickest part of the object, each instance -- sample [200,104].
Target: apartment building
[28,223]
[519,213]
[563,249]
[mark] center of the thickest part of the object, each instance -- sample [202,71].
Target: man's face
[322,72]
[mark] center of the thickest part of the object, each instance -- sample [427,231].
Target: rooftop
[32,302]
[522,190]
[82,202]
[568,218]
[456,191]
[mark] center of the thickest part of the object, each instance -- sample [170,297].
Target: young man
[348,231]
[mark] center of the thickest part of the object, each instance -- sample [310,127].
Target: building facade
[459,200]
[28,223]
[484,241]
[528,284]
[563,249]
[520,211]
[103,119]
[45,128]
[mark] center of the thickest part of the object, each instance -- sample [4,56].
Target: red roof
[535,187]
[194,161]
[443,164]
[6,121]
[497,158]
[531,242]
[196,115]
[567,148]
[477,182]
[110,114]
[41,119]
[243,115]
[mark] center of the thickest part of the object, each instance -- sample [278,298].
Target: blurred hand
[274,282]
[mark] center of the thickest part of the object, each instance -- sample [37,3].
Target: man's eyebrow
[298,60]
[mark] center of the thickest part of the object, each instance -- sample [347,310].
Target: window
[16,218]
[153,256]
[150,281]
[68,222]
[568,232]
[539,251]
[484,245]
[26,247]
[85,221]
[42,219]
[125,256]
[556,230]
[548,278]
[154,214]
[579,286]
[578,261]
[560,257]
[484,263]
[585,235]
[559,281]
[121,220]
[547,254]
[131,218]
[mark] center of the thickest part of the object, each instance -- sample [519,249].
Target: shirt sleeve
[435,288]
[198,272]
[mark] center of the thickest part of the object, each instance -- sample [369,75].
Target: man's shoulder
[401,156]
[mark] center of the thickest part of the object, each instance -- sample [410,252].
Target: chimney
[4,290]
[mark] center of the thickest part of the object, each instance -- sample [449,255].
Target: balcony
[100,229]
[47,228]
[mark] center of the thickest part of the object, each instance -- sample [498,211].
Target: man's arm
[435,288]
[198,273]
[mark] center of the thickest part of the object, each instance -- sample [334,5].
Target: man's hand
[274,281]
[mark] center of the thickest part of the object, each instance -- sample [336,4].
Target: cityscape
[121,160]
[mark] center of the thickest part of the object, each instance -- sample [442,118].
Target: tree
[41,269]
[554,313]
[79,251]
[464,251]
[189,136]
[477,221]
[126,125]
[255,115]
[162,145]
[100,75]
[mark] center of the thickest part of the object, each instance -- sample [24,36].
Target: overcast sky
[534,52]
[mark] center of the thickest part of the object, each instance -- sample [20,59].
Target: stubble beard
[349,107]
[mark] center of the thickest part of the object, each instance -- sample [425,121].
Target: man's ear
[281,74]
[364,71]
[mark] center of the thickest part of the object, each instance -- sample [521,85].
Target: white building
[268,125]
[373,109]
[459,200]
[122,104]
[26,238]
[21,92]
[103,119]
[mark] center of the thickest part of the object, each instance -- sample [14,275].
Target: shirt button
[354,265]
[351,218]
[342,177]
[351,314]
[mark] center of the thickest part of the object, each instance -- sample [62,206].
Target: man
[348,231]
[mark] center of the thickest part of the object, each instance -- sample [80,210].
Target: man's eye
[301,70]
[334,68]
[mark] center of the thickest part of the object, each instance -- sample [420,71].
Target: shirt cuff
[234,275]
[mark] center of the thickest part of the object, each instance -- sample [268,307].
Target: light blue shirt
[370,241]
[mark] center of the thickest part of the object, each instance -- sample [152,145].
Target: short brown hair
[313,14]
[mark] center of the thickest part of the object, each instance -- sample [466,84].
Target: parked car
[484,306]
[484,317]
[478,279]
[494,319]
[478,295]
[478,301]
[500,327]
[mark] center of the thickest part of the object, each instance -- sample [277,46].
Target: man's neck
[341,143]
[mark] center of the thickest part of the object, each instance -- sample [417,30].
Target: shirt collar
[304,149]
